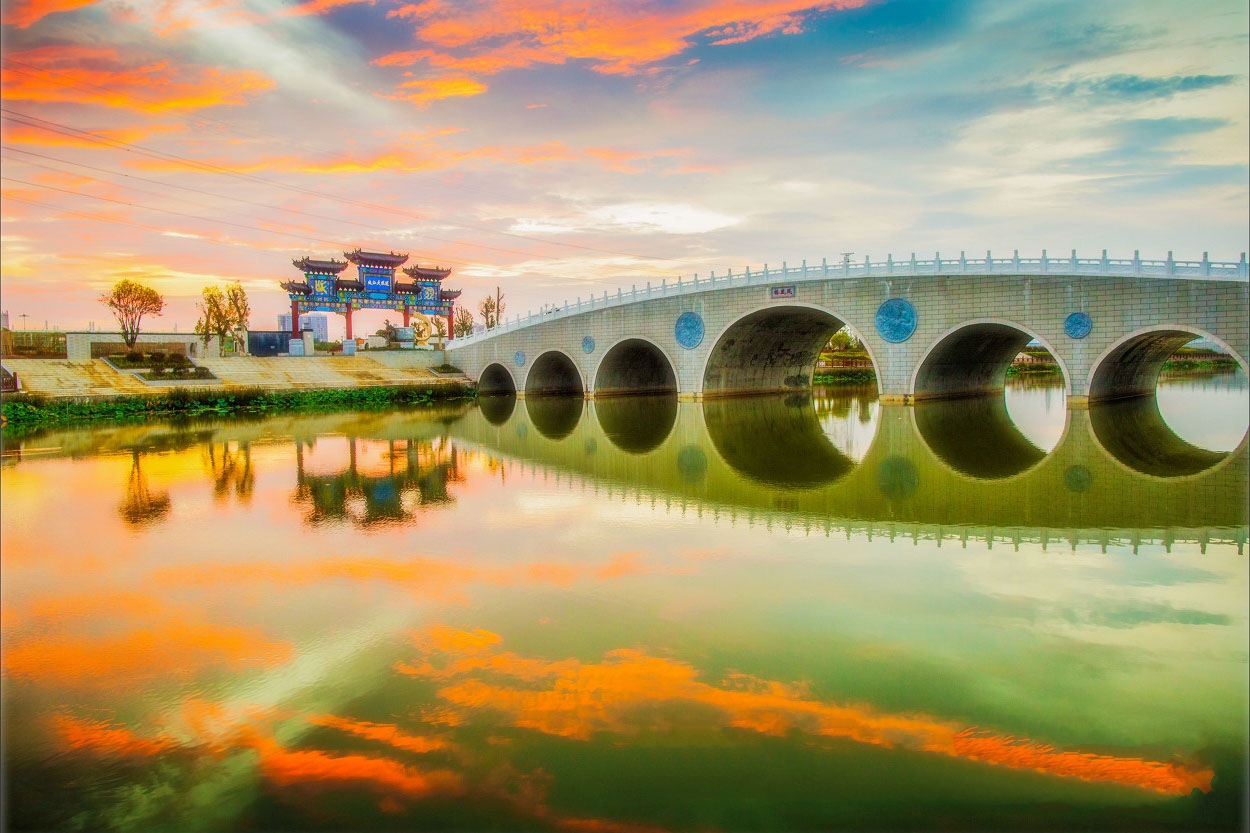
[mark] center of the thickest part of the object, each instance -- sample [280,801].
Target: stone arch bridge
[940,328]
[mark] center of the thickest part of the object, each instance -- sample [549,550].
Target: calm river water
[765,614]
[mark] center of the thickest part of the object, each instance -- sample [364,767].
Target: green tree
[130,301]
[223,314]
[239,308]
[462,322]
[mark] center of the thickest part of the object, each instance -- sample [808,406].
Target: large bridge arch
[554,373]
[972,357]
[1130,367]
[771,348]
[635,364]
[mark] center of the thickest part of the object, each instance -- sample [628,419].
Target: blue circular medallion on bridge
[1077,325]
[588,344]
[519,358]
[689,330]
[896,320]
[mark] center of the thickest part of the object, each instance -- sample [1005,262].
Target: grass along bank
[20,411]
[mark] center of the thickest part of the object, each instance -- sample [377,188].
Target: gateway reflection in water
[621,615]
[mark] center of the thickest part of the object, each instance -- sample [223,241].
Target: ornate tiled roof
[297,286]
[325,267]
[428,273]
[375,258]
[450,294]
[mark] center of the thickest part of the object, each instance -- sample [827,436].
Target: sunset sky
[558,148]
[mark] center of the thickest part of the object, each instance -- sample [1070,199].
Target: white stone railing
[911,267]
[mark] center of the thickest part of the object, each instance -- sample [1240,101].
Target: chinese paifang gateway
[323,288]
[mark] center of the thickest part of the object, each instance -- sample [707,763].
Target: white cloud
[637,217]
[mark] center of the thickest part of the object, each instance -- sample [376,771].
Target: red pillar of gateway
[450,330]
[348,316]
[407,316]
[295,319]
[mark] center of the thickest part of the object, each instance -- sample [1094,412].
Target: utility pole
[23,316]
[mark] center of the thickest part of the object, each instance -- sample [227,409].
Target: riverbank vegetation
[22,411]
[844,376]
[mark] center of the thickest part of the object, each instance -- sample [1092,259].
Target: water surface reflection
[976,437]
[538,618]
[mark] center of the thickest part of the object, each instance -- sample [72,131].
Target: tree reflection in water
[142,508]
[231,470]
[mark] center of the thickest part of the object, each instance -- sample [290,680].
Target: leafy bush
[177,360]
[134,357]
[156,358]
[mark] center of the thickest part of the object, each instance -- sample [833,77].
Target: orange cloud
[426,578]
[22,134]
[381,732]
[382,776]
[22,13]
[318,7]
[621,39]
[111,741]
[95,75]
[157,650]
[423,91]
[413,155]
[619,695]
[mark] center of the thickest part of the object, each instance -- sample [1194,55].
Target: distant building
[319,324]
[4,320]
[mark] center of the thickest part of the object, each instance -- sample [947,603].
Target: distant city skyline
[318,322]
[557,150]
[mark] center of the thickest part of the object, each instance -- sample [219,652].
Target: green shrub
[134,357]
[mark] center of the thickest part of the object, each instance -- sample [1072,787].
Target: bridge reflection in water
[956,470]
[943,470]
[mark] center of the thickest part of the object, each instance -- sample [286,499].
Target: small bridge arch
[554,373]
[972,358]
[633,365]
[496,379]
[1130,366]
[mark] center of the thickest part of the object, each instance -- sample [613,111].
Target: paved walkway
[61,378]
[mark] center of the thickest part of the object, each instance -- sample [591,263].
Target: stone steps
[61,378]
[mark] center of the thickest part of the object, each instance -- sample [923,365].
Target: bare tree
[130,301]
[487,310]
[499,307]
[440,329]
